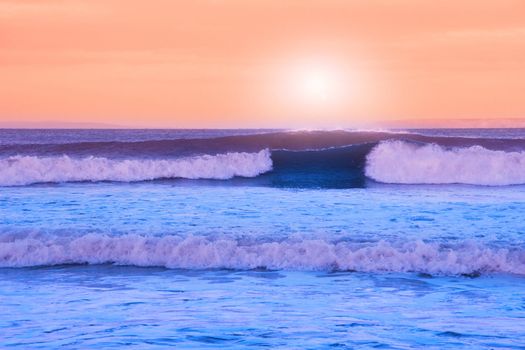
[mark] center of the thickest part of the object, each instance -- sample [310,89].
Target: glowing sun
[311,90]
[315,83]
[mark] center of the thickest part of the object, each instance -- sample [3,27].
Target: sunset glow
[261,63]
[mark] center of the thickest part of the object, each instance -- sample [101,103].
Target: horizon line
[463,123]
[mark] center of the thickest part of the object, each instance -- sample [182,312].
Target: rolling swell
[295,141]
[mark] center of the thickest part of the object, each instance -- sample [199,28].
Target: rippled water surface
[108,306]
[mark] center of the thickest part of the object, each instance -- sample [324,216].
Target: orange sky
[241,63]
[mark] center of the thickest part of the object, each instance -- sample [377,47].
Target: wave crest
[197,252]
[408,163]
[24,170]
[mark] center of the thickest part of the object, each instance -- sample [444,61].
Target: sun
[315,83]
[310,91]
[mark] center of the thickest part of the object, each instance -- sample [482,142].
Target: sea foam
[24,170]
[409,163]
[198,252]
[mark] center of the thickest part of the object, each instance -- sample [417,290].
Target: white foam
[306,254]
[24,170]
[407,163]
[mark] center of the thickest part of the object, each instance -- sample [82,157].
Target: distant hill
[57,125]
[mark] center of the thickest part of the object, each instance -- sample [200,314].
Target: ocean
[248,239]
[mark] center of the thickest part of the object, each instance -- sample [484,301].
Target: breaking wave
[283,162]
[410,163]
[24,170]
[196,252]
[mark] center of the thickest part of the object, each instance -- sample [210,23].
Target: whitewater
[25,170]
[404,163]
[196,252]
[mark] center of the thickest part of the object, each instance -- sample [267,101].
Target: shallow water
[109,306]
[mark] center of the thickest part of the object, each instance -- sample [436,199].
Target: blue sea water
[262,239]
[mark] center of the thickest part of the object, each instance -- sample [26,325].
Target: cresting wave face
[195,252]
